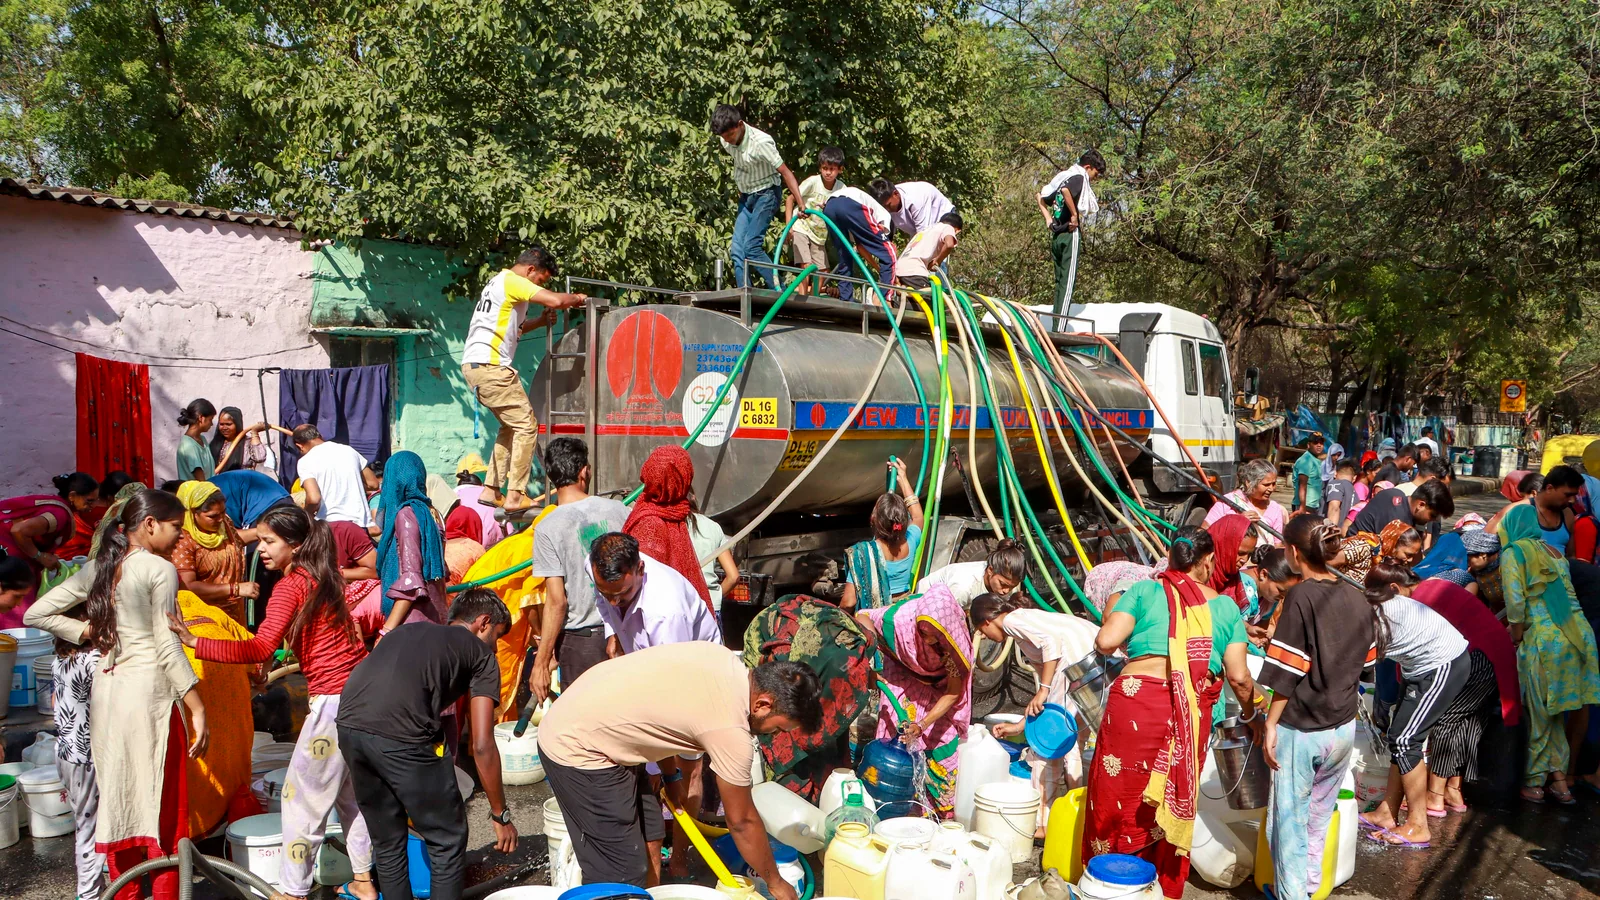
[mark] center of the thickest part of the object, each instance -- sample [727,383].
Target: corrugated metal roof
[87,197]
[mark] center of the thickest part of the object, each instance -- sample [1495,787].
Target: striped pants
[1453,743]
[1424,699]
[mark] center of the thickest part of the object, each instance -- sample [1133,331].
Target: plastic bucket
[916,831]
[519,756]
[44,680]
[272,756]
[1111,876]
[49,811]
[10,827]
[262,739]
[1007,812]
[271,795]
[256,843]
[8,660]
[555,827]
[685,892]
[527,892]
[31,644]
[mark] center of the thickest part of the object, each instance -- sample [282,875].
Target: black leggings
[1423,701]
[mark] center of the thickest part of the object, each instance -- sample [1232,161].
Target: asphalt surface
[1501,849]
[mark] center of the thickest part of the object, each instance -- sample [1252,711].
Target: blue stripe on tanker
[830,414]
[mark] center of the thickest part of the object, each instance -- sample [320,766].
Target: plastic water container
[272,756]
[1117,876]
[31,644]
[856,864]
[261,739]
[855,808]
[680,892]
[982,761]
[1008,812]
[889,771]
[49,810]
[42,752]
[555,828]
[519,756]
[1337,854]
[1063,836]
[272,788]
[10,808]
[1349,818]
[990,863]
[788,817]
[1051,733]
[333,868]
[919,873]
[1370,763]
[609,891]
[546,892]
[44,680]
[832,795]
[256,843]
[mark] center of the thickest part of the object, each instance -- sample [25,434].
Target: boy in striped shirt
[760,175]
[499,319]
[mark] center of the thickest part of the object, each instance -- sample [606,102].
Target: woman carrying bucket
[1048,642]
[1180,636]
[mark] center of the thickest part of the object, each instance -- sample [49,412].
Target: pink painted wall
[139,288]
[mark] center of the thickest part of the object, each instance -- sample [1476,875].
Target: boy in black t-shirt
[393,740]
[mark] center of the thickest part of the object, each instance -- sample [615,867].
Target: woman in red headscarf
[660,518]
[1235,540]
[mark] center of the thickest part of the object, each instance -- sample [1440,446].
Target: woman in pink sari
[926,679]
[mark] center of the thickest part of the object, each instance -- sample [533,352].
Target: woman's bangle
[1254,714]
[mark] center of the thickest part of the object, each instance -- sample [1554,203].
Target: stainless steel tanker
[656,369]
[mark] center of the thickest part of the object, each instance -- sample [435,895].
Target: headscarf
[440,496]
[113,513]
[219,443]
[1367,457]
[1330,462]
[1470,522]
[1544,574]
[1511,486]
[1114,578]
[660,518]
[1227,533]
[1389,538]
[463,523]
[404,485]
[1357,551]
[193,495]
[1448,552]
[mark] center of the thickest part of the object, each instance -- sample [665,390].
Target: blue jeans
[756,212]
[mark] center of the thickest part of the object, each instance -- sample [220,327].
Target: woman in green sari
[1556,656]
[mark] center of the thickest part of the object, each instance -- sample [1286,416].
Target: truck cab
[1181,357]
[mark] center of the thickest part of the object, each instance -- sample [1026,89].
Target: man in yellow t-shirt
[499,319]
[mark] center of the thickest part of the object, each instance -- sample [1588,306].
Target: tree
[584,125]
[29,31]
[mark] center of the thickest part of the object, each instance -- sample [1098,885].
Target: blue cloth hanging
[349,406]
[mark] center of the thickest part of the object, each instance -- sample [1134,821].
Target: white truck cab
[1181,357]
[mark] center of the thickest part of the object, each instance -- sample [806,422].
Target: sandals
[1562,794]
[1392,839]
[1532,794]
[346,894]
[1369,825]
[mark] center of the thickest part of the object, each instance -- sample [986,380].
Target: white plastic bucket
[684,892]
[271,795]
[262,739]
[555,827]
[44,680]
[31,644]
[333,868]
[49,811]
[256,842]
[519,756]
[10,812]
[272,756]
[907,830]
[527,892]
[1008,812]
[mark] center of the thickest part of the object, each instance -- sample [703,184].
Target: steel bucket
[1090,685]
[1241,767]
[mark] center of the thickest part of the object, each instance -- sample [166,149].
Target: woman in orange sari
[219,779]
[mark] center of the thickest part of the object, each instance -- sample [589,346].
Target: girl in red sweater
[307,611]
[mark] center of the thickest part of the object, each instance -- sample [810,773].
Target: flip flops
[1391,839]
[1369,825]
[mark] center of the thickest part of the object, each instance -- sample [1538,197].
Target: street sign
[1513,396]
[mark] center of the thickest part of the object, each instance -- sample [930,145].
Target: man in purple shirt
[645,603]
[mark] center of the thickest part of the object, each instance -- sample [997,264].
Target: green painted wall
[386,284]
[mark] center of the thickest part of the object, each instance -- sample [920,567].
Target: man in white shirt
[646,603]
[927,251]
[330,475]
[1067,203]
[863,221]
[498,321]
[1427,441]
[914,206]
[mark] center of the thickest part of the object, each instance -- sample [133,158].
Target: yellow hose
[1038,436]
[692,829]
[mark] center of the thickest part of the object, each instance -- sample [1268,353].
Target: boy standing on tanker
[863,220]
[760,175]
[810,234]
[498,321]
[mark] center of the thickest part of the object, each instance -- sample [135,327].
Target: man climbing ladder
[498,321]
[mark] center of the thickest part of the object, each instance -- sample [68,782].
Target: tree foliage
[584,125]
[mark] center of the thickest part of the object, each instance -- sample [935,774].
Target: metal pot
[1091,679]
[1241,767]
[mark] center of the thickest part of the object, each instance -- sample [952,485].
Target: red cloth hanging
[114,418]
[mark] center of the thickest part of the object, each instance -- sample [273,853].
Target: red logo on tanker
[645,358]
[819,416]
